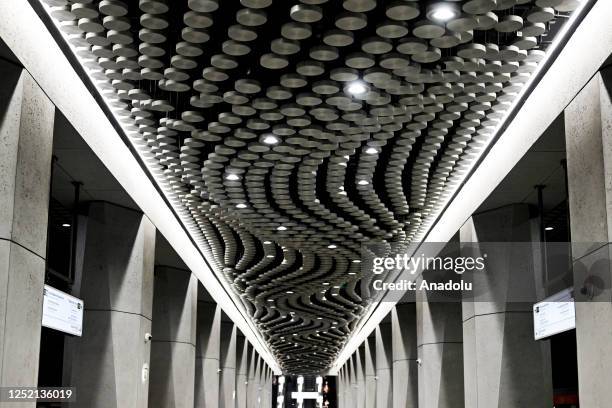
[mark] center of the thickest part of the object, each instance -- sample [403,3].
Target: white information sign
[62,312]
[554,315]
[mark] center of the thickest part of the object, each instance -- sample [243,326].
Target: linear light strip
[582,45]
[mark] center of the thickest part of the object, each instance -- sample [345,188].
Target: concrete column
[268,389]
[349,396]
[264,387]
[227,383]
[405,369]
[440,350]
[242,371]
[111,360]
[588,125]
[252,383]
[384,381]
[175,302]
[208,354]
[504,365]
[359,368]
[26,141]
[352,362]
[370,372]
[258,381]
[340,388]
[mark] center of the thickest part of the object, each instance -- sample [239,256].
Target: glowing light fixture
[271,140]
[371,150]
[232,177]
[356,88]
[442,12]
[281,228]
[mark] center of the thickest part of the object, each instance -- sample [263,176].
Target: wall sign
[62,311]
[555,314]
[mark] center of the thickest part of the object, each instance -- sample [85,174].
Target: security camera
[148,337]
[419,362]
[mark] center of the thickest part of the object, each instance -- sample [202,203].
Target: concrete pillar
[268,389]
[588,125]
[440,350]
[175,302]
[227,382]
[405,369]
[352,362]
[26,141]
[111,361]
[359,369]
[264,387]
[340,388]
[369,369]
[242,371]
[349,396]
[384,381]
[503,365]
[208,354]
[258,386]
[252,383]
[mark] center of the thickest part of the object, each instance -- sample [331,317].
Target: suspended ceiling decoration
[286,134]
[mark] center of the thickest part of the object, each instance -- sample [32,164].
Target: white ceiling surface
[576,63]
[24,33]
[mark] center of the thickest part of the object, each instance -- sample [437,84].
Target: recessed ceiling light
[289,292]
[241,205]
[332,246]
[270,256]
[281,228]
[363,182]
[356,88]
[232,176]
[442,12]
[325,283]
[371,150]
[270,140]
[270,300]
[66,225]
[267,242]
[549,228]
[356,260]
[351,273]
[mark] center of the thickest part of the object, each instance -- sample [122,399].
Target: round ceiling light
[371,150]
[442,12]
[356,88]
[232,177]
[270,140]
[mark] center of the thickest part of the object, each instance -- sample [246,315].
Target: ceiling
[288,134]
[76,162]
[540,166]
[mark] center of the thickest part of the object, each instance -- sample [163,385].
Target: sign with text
[62,311]
[554,315]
